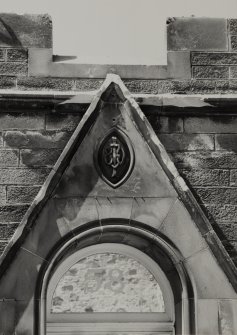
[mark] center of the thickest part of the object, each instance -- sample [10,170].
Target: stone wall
[33,134]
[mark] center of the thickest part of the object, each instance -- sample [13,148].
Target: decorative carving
[113,154]
[114,158]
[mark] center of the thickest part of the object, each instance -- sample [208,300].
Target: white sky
[116,31]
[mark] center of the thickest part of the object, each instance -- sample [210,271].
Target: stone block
[10,213]
[142,86]
[166,124]
[232,86]
[37,83]
[62,121]
[22,120]
[13,69]
[207,325]
[209,278]
[13,176]
[226,142]
[233,42]
[232,25]
[197,34]
[184,86]
[206,177]
[21,194]
[211,72]
[233,72]
[205,160]
[7,82]
[87,84]
[36,139]
[217,195]
[26,30]
[17,55]
[178,65]
[151,211]
[164,86]
[222,86]
[226,315]
[7,230]
[177,225]
[3,244]
[203,86]
[187,142]
[229,230]
[2,54]
[39,157]
[217,58]
[222,213]
[9,157]
[206,124]
[233,177]
[3,196]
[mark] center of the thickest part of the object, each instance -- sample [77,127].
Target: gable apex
[152,193]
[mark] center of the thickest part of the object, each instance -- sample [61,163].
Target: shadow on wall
[10,38]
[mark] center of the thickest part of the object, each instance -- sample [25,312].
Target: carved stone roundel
[115,158]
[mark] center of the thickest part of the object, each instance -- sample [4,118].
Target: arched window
[109,288]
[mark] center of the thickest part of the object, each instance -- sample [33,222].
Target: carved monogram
[113,154]
[114,158]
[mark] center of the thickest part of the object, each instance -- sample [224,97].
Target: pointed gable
[115,168]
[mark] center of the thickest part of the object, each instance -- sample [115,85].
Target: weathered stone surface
[222,86]
[36,139]
[205,160]
[26,30]
[10,68]
[233,42]
[217,124]
[39,157]
[1,139]
[229,230]
[17,55]
[222,213]
[211,72]
[2,54]
[226,142]
[166,124]
[233,177]
[3,245]
[232,24]
[23,120]
[203,86]
[7,82]
[9,157]
[206,177]
[37,83]
[197,34]
[3,196]
[62,121]
[217,195]
[21,194]
[142,86]
[207,325]
[87,84]
[187,142]
[217,58]
[7,230]
[12,213]
[233,72]
[23,176]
